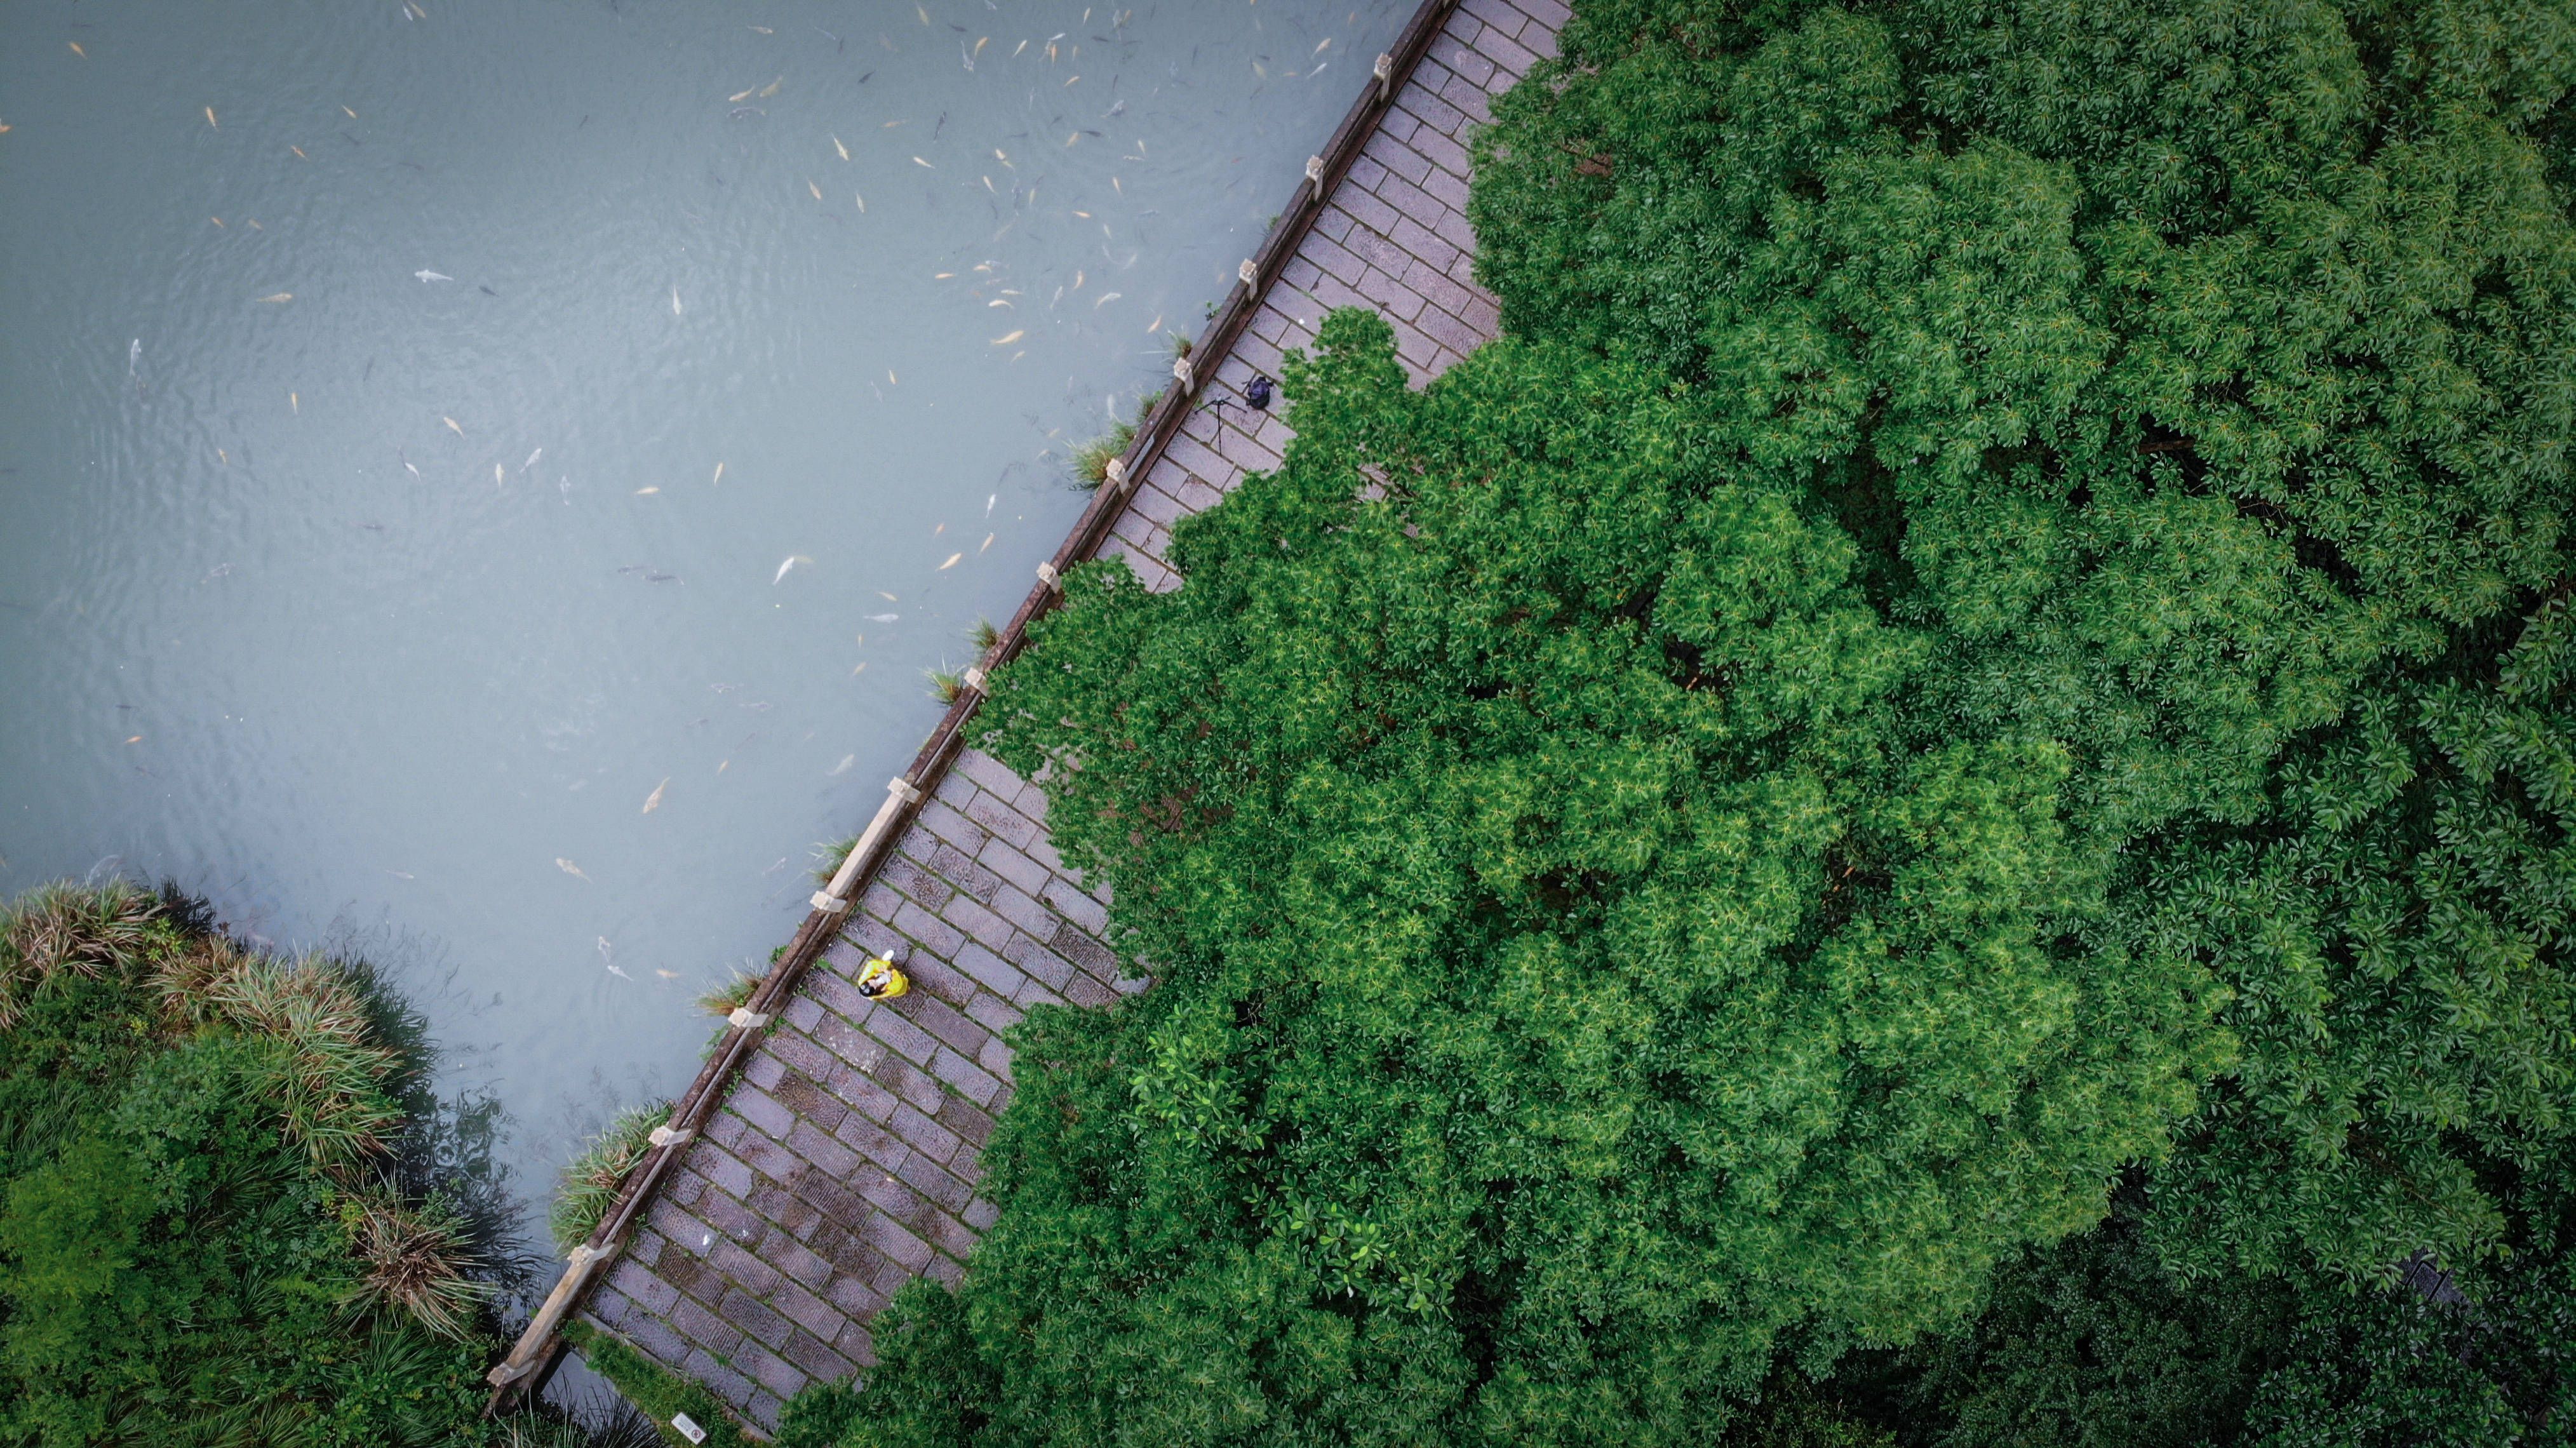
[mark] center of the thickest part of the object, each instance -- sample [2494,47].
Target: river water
[445,618]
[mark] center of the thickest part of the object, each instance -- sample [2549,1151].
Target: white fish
[843,767]
[406,462]
[675,301]
[569,868]
[783,568]
[611,964]
[653,801]
[133,356]
[883,617]
[532,459]
[427,275]
[989,502]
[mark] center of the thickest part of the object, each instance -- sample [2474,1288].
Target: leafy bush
[208,1233]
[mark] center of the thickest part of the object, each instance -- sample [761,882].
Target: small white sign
[688,1428]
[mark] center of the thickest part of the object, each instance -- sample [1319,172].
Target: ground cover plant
[219,1220]
[1990,650]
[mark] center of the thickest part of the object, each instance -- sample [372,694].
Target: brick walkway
[844,1161]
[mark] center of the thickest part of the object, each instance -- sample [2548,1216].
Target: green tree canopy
[1574,971]
[2199,375]
[1997,621]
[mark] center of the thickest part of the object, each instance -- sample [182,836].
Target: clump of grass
[945,684]
[415,1258]
[732,996]
[330,1075]
[62,927]
[590,1181]
[661,1393]
[984,637]
[1181,343]
[1091,461]
[831,855]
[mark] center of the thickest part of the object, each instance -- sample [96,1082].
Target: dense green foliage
[2093,1343]
[1998,624]
[208,1234]
[2202,376]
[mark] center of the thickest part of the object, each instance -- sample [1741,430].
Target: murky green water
[384,609]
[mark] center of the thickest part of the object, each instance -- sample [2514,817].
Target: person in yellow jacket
[880,981]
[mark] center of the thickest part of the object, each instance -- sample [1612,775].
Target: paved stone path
[845,1160]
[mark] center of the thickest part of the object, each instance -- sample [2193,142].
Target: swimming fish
[532,459]
[883,617]
[771,89]
[653,801]
[987,543]
[817,190]
[675,301]
[604,957]
[76,50]
[989,502]
[353,115]
[427,275]
[863,203]
[923,164]
[841,768]
[210,118]
[451,425]
[569,868]
[718,478]
[1008,338]
[1105,299]
[837,146]
[646,492]
[299,153]
[781,575]
[294,404]
[496,475]
[952,561]
[666,974]
[739,96]
[133,356]
[406,462]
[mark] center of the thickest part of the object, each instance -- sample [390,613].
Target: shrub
[205,1233]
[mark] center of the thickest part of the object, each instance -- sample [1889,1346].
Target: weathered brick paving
[844,1160]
